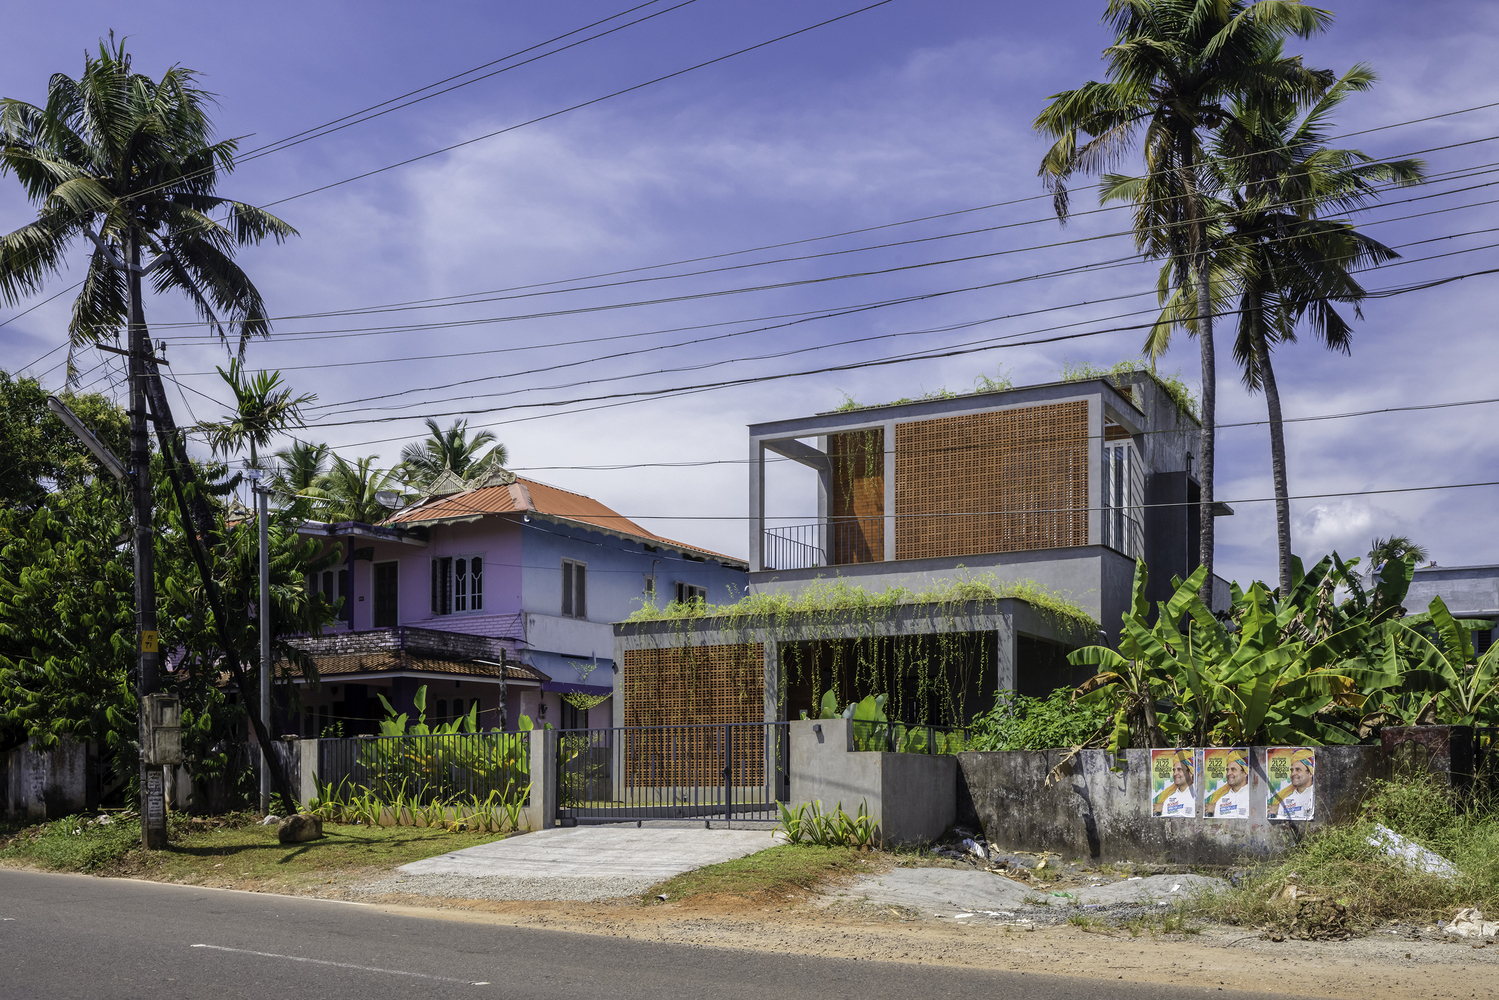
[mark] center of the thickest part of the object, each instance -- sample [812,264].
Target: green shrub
[1020,722]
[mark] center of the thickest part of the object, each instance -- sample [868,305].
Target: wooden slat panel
[857,526]
[1023,472]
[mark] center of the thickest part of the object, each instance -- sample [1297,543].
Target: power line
[642,394]
[870,338]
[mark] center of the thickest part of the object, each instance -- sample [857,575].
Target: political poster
[1173,783]
[1292,773]
[1225,783]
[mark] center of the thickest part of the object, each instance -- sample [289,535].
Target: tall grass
[1339,867]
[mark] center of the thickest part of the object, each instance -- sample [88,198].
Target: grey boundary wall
[37,785]
[1096,812]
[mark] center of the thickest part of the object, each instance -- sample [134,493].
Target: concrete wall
[1098,813]
[40,784]
[912,796]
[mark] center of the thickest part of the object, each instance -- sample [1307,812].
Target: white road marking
[340,965]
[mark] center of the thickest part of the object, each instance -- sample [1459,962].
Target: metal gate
[726,771]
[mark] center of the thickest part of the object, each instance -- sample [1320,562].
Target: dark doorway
[1041,667]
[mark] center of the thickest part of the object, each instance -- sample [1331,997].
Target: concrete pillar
[757,506]
[1095,470]
[541,814]
[1004,655]
[307,774]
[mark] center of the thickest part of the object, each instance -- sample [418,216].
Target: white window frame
[458,595]
[1123,492]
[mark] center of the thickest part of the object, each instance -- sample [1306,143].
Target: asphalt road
[66,936]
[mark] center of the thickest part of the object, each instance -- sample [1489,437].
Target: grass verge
[235,852]
[769,874]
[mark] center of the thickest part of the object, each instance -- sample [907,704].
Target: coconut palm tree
[1273,248]
[263,407]
[451,450]
[300,466]
[347,491]
[129,163]
[1383,550]
[1173,71]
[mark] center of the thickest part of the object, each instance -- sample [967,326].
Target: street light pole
[263,624]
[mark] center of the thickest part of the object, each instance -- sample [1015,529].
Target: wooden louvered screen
[857,523]
[694,686]
[1023,472]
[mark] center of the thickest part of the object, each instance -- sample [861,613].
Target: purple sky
[904,111]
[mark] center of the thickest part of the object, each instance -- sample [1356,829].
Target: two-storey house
[498,592]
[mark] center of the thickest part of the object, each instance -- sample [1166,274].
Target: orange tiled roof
[528,495]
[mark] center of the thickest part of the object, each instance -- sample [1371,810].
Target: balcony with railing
[838,542]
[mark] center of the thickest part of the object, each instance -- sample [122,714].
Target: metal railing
[729,771]
[905,737]
[427,768]
[837,542]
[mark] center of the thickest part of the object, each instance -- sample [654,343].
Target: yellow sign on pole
[148,642]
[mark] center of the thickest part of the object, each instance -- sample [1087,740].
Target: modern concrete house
[498,592]
[1468,592]
[1054,488]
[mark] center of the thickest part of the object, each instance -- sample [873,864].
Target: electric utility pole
[148,656]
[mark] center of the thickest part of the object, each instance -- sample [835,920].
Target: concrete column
[307,777]
[1004,658]
[541,814]
[1095,470]
[756,506]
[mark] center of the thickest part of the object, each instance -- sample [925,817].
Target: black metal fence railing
[1486,755]
[428,768]
[835,542]
[905,737]
[729,771]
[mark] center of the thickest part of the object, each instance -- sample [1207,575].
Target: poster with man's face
[1292,775]
[1173,783]
[1225,782]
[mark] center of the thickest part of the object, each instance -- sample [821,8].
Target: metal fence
[428,768]
[905,737]
[728,771]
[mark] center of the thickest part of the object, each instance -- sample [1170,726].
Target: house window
[687,593]
[650,586]
[574,589]
[457,584]
[574,717]
[1122,490]
[333,586]
[386,607]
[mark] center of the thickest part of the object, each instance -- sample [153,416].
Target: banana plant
[1456,687]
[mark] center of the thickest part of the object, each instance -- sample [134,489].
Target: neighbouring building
[1468,591]
[1012,518]
[498,592]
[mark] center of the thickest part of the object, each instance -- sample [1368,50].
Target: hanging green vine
[922,649]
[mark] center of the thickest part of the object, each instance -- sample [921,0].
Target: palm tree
[1271,246]
[449,450]
[263,407]
[1383,550]
[1174,68]
[300,466]
[347,491]
[129,163]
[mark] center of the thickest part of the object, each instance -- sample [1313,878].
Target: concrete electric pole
[263,623]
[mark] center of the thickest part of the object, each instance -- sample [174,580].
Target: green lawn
[237,853]
[769,873]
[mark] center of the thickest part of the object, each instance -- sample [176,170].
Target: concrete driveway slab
[577,863]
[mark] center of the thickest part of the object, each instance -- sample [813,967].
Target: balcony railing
[839,542]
